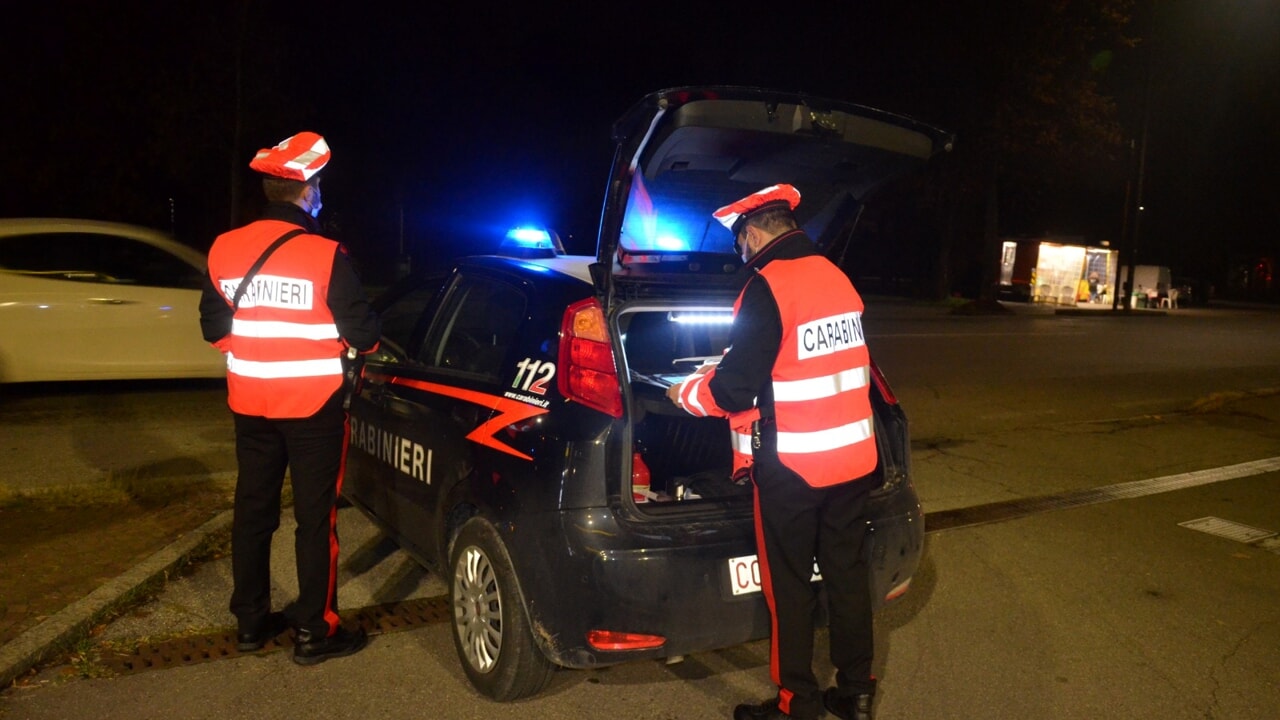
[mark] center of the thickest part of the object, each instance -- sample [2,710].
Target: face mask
[743,248]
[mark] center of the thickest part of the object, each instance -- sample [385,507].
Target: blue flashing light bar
[530,237]
[531,241]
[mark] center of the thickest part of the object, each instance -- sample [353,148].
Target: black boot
[847,707]
[309,649]
[251,639]
[767,710]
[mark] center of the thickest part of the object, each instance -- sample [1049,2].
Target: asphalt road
[86,434]
[1109,609]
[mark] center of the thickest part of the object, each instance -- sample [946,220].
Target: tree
[1015,81]
[133,116]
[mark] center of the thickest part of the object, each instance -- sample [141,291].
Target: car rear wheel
[491,630]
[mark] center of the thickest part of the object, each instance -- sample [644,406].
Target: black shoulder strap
[244,283]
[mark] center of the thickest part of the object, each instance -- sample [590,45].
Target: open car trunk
[687,459]
[681,154]
[684,152]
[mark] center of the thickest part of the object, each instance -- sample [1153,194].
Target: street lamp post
[1137,204]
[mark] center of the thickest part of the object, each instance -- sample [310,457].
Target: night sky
[452,121]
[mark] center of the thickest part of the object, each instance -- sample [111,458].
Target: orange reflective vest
[821,396]
[821,393]
[284,352]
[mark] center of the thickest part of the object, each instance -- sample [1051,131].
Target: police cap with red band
[294,158]
[735,214]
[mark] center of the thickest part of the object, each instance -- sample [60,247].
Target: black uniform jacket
[742,379]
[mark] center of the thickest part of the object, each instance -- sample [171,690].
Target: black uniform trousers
[796,524]
[314,451]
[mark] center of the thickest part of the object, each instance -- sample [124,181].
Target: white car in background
[89,300]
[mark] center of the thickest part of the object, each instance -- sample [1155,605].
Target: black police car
[513,432]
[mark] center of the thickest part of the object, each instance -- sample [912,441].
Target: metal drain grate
[404,615]
[175,652]
[1227,529]
[221,644]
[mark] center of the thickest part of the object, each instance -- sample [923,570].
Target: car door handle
[111,301]
[374,392]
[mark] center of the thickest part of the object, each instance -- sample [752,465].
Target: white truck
[1151,283]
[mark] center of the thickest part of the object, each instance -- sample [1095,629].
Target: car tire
[491,629]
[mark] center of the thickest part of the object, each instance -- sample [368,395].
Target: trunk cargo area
[687,458]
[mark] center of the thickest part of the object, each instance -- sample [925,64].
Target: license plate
[744,575]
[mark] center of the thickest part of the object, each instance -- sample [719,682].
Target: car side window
[138,263]
[476,326]
[96,257]
[403,320]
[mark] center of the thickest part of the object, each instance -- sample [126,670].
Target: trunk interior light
[882,385]
[587,372]
[615,641]
[701,318]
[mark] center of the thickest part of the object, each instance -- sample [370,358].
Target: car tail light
[882,385]
[613,640]
[587,371]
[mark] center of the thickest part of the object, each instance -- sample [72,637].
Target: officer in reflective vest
[798,358]
[285,334]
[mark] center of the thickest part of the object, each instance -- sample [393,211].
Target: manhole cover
[1227,529]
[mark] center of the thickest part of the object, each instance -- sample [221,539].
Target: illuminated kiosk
[1058,270]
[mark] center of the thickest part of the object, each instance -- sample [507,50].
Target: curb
[73,622]
[1132,312]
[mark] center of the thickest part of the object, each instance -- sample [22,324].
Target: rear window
[712,151]
[672,213]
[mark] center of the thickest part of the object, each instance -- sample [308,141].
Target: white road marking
[1228,529]
[1008,510]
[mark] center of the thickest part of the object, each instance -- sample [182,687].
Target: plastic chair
[1171,300]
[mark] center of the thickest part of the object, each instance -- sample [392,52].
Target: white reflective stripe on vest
[283,368]
[280,329]
[741,442]
[689,393]
[823,440]
[820,387]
